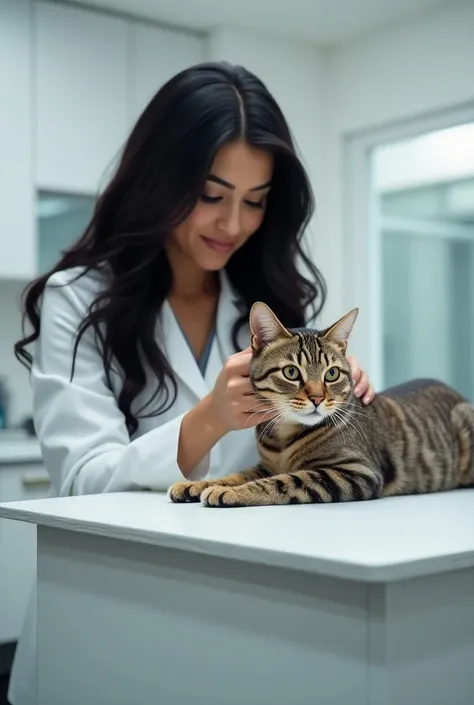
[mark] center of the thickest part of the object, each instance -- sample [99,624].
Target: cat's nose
[315,399]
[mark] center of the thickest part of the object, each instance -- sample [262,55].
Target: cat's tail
[463,420]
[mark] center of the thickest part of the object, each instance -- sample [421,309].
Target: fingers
[369,395]
[240,386]
[239,364]
[362,385]
[261,416]
[364,389]
[355,369]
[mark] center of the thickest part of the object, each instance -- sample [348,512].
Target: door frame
[361,233]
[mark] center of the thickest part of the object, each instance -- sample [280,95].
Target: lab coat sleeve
[83,436]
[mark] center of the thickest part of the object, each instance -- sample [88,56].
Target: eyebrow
[218,180]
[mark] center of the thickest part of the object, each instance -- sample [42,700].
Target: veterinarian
[139,335]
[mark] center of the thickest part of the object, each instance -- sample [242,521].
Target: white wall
[146,56]
[409,71]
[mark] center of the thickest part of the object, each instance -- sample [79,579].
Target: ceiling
[323,22]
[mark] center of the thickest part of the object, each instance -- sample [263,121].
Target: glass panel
[61,220]
[425,198]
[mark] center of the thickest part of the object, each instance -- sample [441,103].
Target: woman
[141,356]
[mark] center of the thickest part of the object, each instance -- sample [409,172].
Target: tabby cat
[324,445]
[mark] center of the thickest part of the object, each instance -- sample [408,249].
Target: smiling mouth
[221,246]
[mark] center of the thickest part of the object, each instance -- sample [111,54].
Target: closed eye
[216,199]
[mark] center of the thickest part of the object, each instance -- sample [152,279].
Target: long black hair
[158,181]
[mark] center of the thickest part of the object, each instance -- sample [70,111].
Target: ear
[265,326]
[340,331]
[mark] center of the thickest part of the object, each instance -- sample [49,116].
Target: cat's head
[305,372]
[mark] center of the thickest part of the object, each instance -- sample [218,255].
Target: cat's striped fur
[325,445]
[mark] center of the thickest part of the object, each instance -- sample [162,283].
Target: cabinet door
[18,545]
[81,96]
[17,222]
[157,55]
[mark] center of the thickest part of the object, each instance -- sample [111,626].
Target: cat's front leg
[191,491]
[303,487]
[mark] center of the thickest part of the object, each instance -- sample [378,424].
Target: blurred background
[380,98]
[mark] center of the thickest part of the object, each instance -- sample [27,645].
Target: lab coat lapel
[227,313]
[179,354]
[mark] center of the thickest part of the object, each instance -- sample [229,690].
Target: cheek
[200,219]
[194,224]
[251,222]
[339,392]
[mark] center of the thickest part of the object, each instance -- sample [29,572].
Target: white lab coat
[83,437]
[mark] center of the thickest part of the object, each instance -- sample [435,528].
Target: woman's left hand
[362,388]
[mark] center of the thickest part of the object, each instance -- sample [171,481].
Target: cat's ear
[339,332]
[265,326]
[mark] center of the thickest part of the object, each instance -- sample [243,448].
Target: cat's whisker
[259,407]
[338,423]
[352,422]
[270,424]
[261,411]
[350,404]
[352,409]
[353,414]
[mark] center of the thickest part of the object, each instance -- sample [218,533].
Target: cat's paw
[186,491]
[215,496]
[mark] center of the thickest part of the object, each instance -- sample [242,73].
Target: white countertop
[376,541]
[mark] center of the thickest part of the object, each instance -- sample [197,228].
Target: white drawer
[23,481]
[18,545]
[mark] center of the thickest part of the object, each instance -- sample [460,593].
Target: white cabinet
[18,545]
[80,78]
[72,83]
[156,55]
[17,223]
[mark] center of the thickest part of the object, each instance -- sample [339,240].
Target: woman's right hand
[232,405]
[233,401]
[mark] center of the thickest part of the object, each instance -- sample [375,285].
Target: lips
[223,247]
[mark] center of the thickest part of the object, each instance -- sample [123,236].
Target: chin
[214,266]
[314,418]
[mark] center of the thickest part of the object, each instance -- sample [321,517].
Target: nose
[230,222]
[315,399]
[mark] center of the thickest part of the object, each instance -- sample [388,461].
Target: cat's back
[429,396]
[421,432]
[415,419]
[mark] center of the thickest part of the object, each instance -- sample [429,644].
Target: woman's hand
[363,388]
[234,403]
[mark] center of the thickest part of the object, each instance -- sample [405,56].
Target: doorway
[411,199]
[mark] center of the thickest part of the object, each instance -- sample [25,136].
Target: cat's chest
[276,450]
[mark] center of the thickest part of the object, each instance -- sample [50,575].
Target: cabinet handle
[32,479]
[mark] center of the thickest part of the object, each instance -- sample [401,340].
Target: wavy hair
[158,181]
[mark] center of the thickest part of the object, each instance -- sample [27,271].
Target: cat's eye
[332,374]
[291,372]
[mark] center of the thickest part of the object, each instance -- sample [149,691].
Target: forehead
[318,350]
[242,165]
